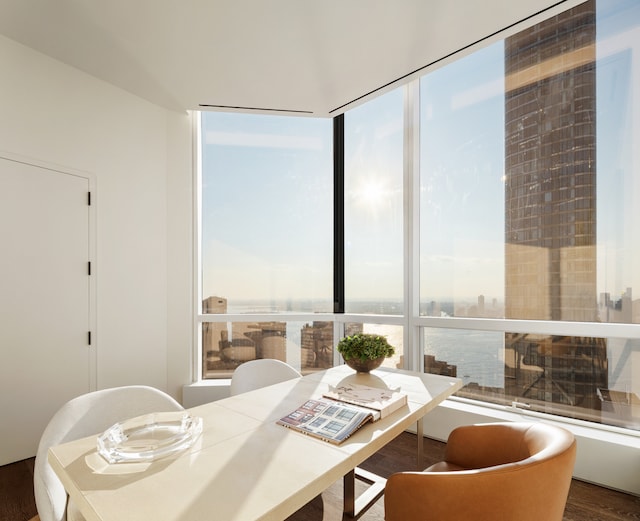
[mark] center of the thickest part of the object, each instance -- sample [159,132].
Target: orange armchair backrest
[491,472]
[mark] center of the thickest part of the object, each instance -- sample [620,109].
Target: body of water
[478,355]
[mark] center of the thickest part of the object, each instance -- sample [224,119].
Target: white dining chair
[88,414]
[260,373]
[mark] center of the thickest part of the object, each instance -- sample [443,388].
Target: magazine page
[384,400]
[326,419]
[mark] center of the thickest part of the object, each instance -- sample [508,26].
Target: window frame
[411,320]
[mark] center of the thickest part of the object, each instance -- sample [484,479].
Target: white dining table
[244,466]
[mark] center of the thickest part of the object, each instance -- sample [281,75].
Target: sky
[267,197]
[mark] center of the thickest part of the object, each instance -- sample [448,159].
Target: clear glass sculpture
[149,437]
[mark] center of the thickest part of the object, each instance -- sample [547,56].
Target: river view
[478,355]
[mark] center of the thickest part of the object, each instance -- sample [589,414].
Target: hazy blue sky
[267,220]
[268,207]
[462,178]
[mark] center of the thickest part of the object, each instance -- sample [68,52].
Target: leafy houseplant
[365,351]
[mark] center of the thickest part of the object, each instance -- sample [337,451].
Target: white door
[44,300]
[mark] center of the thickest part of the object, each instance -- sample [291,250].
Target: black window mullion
[338,214]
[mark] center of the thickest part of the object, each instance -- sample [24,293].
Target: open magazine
[334,421]
[328,420]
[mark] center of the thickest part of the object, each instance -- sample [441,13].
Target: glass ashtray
[149,437]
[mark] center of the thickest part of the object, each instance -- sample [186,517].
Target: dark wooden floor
[586,502]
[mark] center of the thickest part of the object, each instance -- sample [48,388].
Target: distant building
[211,331]
[225,346]
[317,345]
[556,369]
[550,208]
[620,310]
[433,366]
[550,169]
[214,305]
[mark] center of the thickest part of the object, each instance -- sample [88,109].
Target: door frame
[92,253]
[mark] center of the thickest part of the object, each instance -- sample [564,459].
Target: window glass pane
[267,212]
[461,197]
[529,183]
[587,378]
[307,346]
[618,160]
[373,206]
[393,334]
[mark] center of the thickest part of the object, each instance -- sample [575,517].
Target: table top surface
[244,466]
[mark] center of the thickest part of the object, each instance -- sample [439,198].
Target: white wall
[180,240]
[140,156]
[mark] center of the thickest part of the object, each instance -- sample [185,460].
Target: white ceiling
[294,56]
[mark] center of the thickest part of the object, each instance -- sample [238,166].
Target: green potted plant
[365,351]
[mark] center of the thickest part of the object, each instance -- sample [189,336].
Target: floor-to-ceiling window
[266,244]
[374,220]
[529,180]
[527,253]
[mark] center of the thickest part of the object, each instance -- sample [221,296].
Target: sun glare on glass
[371,192]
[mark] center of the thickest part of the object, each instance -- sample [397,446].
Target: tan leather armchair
[491,472]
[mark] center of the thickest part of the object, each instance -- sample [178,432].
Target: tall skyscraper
[550,149]
[550,207]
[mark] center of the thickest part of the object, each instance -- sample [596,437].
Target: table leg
[349,482]
[355,507]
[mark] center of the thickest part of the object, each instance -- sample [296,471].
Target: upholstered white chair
[494,471]
[260,373]
[83,416]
